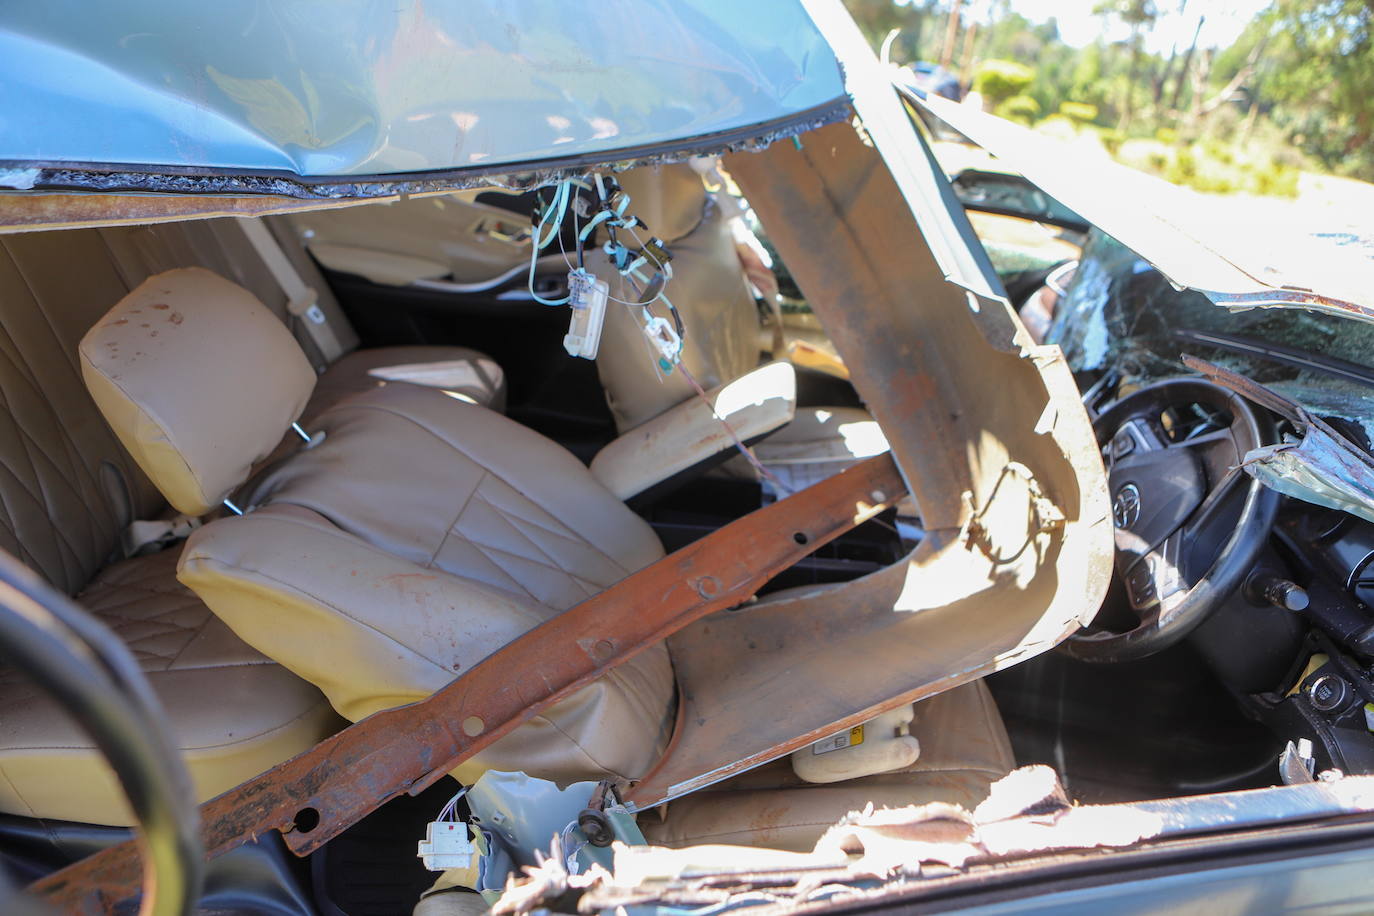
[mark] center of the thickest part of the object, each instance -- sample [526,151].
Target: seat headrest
[199,381]
[667,198]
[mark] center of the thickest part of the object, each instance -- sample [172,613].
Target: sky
[1225,19]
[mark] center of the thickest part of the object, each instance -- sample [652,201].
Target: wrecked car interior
[667,513]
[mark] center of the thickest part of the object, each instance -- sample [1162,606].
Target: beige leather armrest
[675,440]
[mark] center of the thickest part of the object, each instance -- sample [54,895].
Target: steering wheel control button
[1126,506]
[1141,583]
[1328,692]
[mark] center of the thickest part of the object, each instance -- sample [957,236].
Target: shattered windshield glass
[1122,314]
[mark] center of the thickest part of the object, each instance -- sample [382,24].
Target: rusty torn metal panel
[986,427]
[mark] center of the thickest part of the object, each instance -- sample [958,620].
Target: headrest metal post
[232,508]
[310,441]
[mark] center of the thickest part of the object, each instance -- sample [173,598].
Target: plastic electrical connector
[587,300]
[665,341]
[446,845]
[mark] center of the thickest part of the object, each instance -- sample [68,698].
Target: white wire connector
[447,843]
[646,269]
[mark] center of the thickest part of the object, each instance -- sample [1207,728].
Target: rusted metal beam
[313,797]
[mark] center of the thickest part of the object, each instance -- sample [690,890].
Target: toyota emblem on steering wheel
[1126,506]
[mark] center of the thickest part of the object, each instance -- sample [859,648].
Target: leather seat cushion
[422,534]
[964,749]
[231,711]
[349,375]
[819,442]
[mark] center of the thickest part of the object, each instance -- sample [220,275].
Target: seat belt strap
[301,300]
[156,532]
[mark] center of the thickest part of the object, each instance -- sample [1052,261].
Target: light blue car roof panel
[324,88]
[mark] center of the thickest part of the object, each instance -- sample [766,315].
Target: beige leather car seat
[483,382]
[721,343]
[708,288]
[222,245]
[964,749]
[422,533]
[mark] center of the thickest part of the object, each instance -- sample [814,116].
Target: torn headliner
[1240,254]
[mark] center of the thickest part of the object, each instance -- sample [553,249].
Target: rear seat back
[67,487]
[67,491]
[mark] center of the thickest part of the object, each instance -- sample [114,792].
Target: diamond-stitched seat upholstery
[474,494]
[68,490]
[233,713]
[66,487]
[422,534]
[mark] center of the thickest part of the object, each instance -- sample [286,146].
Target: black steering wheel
[1172,451]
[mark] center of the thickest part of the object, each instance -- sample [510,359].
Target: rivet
[708,586]
[473,726]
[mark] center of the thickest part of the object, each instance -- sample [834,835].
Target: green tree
[999,80]
[1316,76]
[1139,16]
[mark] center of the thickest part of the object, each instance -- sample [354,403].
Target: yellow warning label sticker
[852,738]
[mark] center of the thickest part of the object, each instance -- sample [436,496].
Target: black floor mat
[1159,727]
[371,868]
